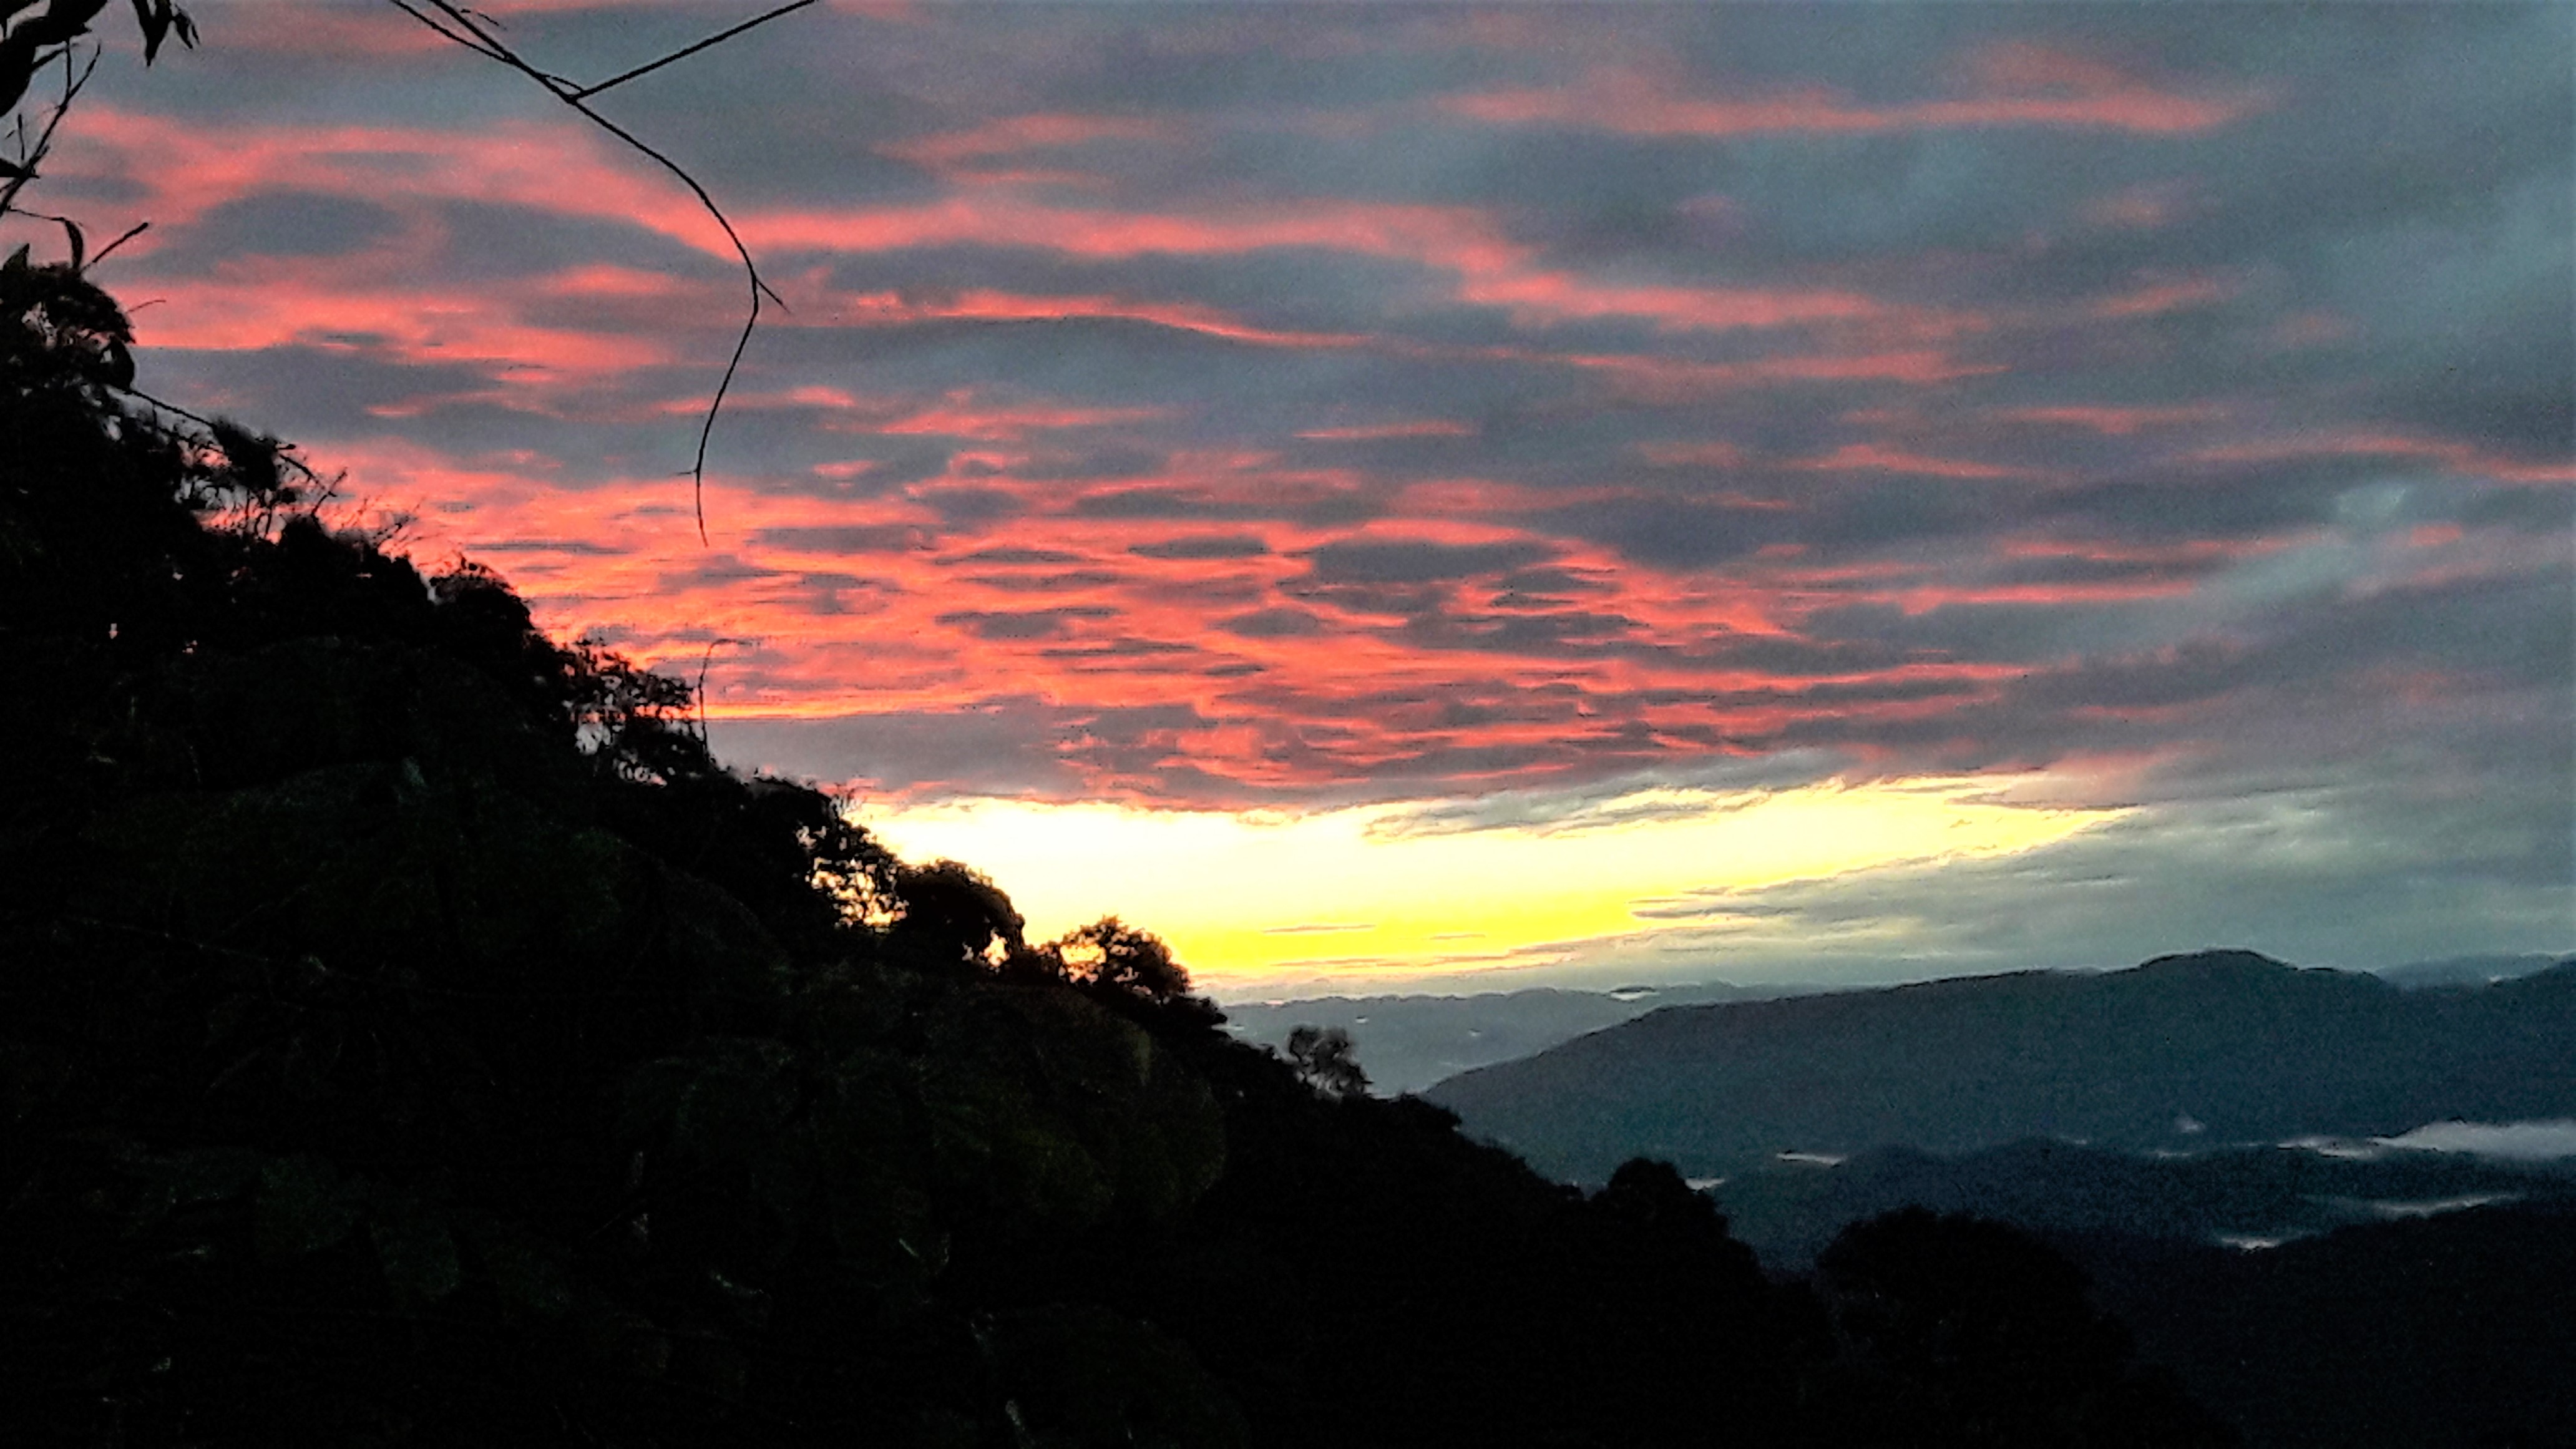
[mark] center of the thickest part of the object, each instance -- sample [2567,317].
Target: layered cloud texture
[1536,424]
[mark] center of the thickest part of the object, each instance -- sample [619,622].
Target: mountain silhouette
[1410,1042]
[2183,1051]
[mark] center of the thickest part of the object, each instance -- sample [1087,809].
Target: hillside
[410,1034]
[2217,1047]
[2244,1197]
[2449,1332]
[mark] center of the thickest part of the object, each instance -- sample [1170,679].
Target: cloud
[2023,85]
[1416,561]
[1024,623]
[2296,874]
[1469,408]
[1202,546]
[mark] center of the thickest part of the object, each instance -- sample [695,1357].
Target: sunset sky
[1573,494]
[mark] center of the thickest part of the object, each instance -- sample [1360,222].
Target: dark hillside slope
[2223,1046]
[1787,1212]
[410,1035]
[2449,1332]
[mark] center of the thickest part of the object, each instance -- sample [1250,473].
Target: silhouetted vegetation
[1958,1331]
[2449,1331]
[1788,1211]
[1325,1060]
[410,1034]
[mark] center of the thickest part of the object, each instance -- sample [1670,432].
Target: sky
[1464,496]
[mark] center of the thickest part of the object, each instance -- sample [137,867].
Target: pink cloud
[899,625]
[253,309]
[958,416]
[2015,85]
[2109,420]
[188,167]
[1540,297]
[892,309]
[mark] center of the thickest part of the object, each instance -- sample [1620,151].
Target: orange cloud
[852,606]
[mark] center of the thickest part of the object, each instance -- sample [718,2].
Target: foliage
[32,43]
[1325,1061]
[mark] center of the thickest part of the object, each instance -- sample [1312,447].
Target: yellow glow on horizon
[1248,897]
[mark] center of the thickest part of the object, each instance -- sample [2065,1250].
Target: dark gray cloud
[1273,624]
[280,224]
[1023,623]
[1004,746]
[1204,546]
[1416,562]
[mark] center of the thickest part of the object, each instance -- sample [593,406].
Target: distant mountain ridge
[2216,1046]
[1406,1043]
[2467,970]
[1409,1041]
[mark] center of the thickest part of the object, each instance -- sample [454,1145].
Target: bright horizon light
[1249,900]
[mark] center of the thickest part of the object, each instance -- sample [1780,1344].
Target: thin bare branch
[700,694]
[586,92]
[477,46]
[285,455]
[131,232]
[482,42]
[28,161]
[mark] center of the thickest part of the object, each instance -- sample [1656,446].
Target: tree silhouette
[1112,956]
[1985,1332]
[1325,1060]
[952,914]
